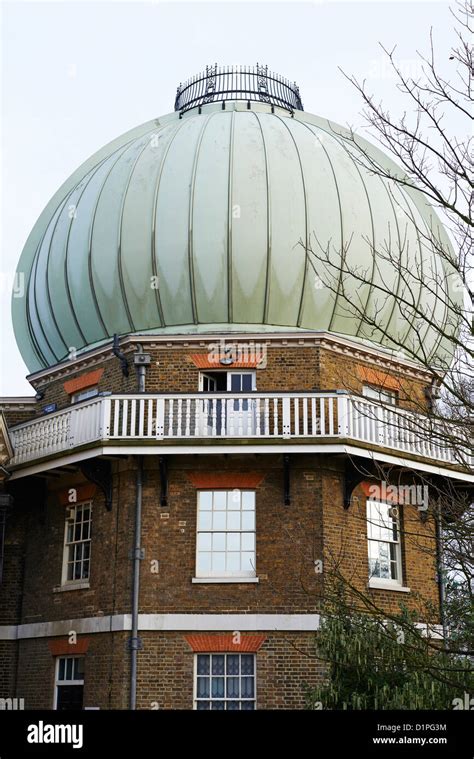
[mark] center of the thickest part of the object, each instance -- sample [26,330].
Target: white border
[164,623]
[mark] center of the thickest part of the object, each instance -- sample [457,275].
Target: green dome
[192,223]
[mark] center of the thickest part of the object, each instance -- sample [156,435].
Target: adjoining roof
[203,219]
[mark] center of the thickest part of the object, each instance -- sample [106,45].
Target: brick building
[208,420]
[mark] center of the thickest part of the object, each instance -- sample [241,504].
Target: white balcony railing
[219,416]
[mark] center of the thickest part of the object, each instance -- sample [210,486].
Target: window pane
[68,669]
[232,687]
[204,541]
[247,687]
[218,706]
[203,687]
[233,664]
[233,520]
[248,541]
[204,563]
[248,500]
[233,501]
[218,562]
[218,522]
[218,541]
[232,706]
[218,664]
[79,669]
[205,520]
[217,689]
[205,500]
[233,562]
[394,561]
[203,664]
[220,500]
[235,382]
[69,697]
[233,541]
[247,382]
[374,568]
[248,561]
[203,705]
[62,664]
[248,706]
[247,664]
[248,520]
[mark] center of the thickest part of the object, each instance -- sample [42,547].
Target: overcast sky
[75,75]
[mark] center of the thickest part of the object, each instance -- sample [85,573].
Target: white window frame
[375,580]
[83,395]
[225,699]
[83,582]
[380,394]
[228,373]
[226,575]
[252,374]
[58,682]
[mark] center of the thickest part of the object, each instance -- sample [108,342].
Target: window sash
[383,543]
[226,535]
[83,395]
[380,394]
[77,543]
[225,680]
[63,683]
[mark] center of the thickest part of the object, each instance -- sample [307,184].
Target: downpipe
[135,641]
[441,572]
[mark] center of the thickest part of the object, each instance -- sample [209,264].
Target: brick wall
[290,367]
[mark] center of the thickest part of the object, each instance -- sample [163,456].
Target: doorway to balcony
[222,416]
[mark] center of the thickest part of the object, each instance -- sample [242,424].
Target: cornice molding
[325,340]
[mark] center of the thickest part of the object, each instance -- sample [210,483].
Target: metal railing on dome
[250,83]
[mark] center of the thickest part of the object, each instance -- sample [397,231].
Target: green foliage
[374,664]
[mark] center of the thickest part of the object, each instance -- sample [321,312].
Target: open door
[241,412]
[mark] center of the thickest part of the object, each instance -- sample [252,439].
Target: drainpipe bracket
[136,553]
[135,644]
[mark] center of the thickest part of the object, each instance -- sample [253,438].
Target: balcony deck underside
[214,446]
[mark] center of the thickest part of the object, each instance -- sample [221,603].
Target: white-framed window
[380,394]
[77,543]
[83,395]
[225,533]
[69,683]
[225,682]
[228,381]
[383,533]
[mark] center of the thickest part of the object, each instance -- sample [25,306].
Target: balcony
[207,419]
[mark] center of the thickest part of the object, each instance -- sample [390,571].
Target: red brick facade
[293,542]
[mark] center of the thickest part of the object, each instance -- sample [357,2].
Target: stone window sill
[71,586]
[201,580]
[375,584]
